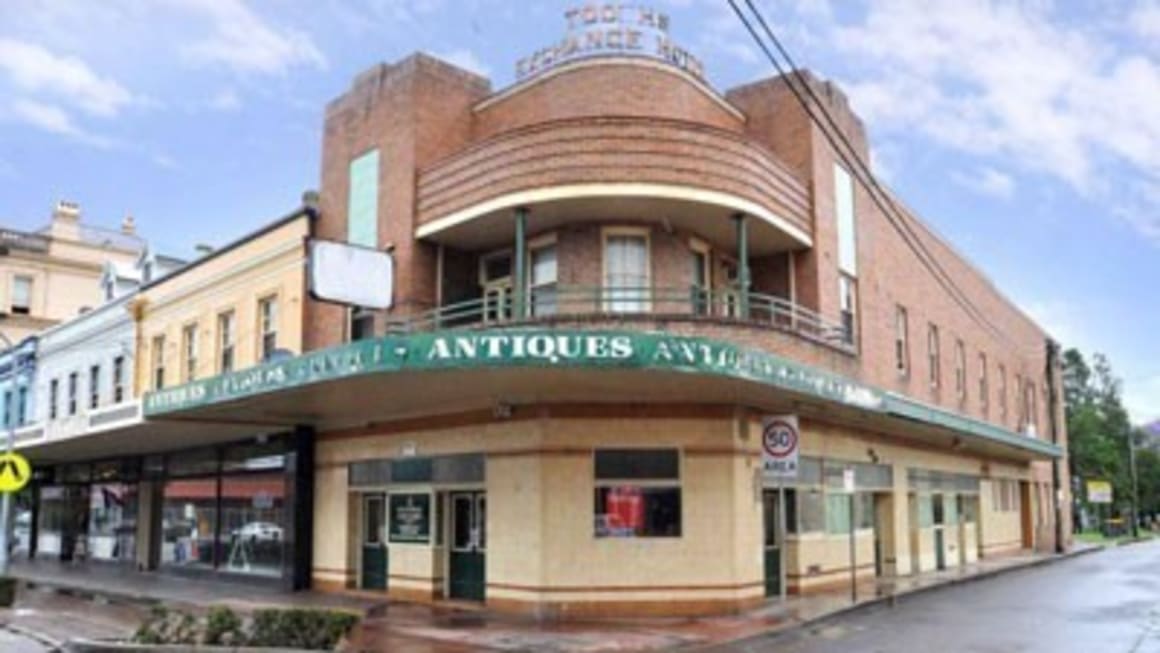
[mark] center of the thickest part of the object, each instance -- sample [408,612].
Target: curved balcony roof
[610,168]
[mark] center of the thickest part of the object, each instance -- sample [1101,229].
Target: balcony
[572,305]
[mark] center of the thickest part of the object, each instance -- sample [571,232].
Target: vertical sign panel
[780,448]
[362,217]
[844,209]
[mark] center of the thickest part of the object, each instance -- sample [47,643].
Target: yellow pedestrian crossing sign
[15,472]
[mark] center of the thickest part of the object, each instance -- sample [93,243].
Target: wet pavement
[102,602]
[1106,602]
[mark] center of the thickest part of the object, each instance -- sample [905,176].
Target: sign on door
[779,446]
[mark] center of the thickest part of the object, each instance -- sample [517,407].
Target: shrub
[223,627]
[303,628]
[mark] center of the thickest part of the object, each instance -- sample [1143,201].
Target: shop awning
[410,376]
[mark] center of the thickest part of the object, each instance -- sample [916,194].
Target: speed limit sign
[780,444]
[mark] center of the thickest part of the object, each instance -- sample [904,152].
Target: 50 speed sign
[780,442]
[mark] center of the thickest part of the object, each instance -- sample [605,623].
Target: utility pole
[6,497]
[1135,486]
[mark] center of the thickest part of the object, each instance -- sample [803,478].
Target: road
[12,643]
[1106,602]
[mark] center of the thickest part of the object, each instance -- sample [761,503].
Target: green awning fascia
[905,407]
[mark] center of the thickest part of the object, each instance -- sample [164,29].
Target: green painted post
[742,265]
[519,264]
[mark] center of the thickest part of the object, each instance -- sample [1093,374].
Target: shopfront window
[50,525]
[253,514]
[113,522]
[188,523]
[638,493]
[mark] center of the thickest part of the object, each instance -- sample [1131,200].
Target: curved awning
[406,376]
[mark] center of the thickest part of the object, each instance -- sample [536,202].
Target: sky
[1027,133]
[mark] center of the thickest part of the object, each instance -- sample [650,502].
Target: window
[226,342]
[848,289]
[21,303]
[8,408]
[901,342]
[1020,405]
[22,405]
[158,352]
[626,272]
[702,277]
[189,352]
[53,395]
[933,356]
[844,212]
[362,324]
[1002,393]
[362,212]
[960,370]
[983,396]
[72,393]
[118,379]
[267,327]
[1029,407]
[94,386]
[638,493]
[542,295]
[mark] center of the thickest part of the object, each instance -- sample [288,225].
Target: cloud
[467,60]
[164,161]
[225,100]
[33,69]
[1023,83]
[55,120]
[1142,399]
[986,181]
[242,41]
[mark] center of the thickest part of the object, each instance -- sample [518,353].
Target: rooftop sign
[611,29]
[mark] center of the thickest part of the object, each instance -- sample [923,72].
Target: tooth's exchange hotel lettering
[648,348]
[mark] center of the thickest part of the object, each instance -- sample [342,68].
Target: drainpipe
[519,263]
[1053,425]
[742,265]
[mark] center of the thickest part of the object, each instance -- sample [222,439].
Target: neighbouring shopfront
[228,510]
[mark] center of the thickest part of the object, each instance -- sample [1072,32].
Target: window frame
[73,390]
[189,351]
[53,398]
[538,244]
[960,370]
[1002,392]
[663,483]
[267,326]
[902,341]
[157,361]
[357,314]
[227,346]
[984,384]
[118,379]
[643,303]
[934,356]
[94,386]
[848,305]
[13,308]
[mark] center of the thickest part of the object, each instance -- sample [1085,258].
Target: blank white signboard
[353,275]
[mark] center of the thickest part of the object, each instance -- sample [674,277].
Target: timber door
[468,545]
[373,575]
[772,543]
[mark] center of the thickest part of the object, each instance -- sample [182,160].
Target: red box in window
[624,507]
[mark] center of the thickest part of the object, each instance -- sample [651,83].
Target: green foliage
[223,627]
[1098,427]
[302,628]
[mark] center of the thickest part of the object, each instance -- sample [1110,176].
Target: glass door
[374,545]
[772,544]
[468,545]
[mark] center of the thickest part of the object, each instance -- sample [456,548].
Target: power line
[850,157]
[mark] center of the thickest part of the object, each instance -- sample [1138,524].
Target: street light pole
[1135,487]
[6,497]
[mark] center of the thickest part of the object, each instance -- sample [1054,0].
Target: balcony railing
[500,307]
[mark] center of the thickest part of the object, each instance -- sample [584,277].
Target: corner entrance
[466,560]
[373,574]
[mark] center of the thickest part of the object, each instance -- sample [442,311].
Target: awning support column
[742,265]
[519,265]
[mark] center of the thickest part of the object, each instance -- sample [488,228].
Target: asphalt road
[12,643]
[1106,602]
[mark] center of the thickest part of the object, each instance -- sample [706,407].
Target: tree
[1098,426]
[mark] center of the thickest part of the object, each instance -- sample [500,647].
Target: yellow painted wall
[271,264]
